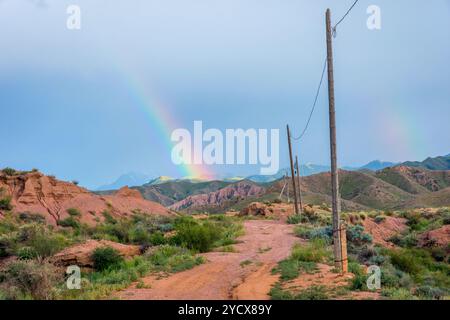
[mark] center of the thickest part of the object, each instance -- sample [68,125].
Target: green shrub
[31,217]
[406,261]
[173,259]
[196,236]
[45,242]
[27,253]
[356,235]
[429,292]
[106,258]
[74,212]
[398,294]
[7,245]
[5,203]
[277,293]
[313,293]
[9,171]
[315,251]
[379,219]
[69,222]
[439,254]
[294,219]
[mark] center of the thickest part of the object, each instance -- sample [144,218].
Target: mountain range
[137,179]
[395,187]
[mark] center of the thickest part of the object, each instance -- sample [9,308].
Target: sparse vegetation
[294,219]
[9,171]
[28,280]
[5,203]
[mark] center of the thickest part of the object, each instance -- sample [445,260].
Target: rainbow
[163,122]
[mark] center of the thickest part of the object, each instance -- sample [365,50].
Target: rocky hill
[170,192]
[436,163]
[34,192]
[237,191]
[390,188]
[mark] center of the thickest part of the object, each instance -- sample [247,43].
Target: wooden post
[334,170]
[343,235]
[300,202]
[292,170]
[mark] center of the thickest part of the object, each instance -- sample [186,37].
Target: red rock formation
[384,230]
[241,189]
[81,254]
[36,193]
[439,237]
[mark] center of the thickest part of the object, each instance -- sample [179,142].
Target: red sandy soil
[384,230]
[438,237]
[224,276]
[332,281]
[37,193]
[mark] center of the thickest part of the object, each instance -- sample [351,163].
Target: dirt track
[224,275]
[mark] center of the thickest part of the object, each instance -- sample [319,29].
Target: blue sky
[67,106]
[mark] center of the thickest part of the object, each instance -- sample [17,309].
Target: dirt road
[244,274]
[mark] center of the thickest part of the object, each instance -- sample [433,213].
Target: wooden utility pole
[338,254]
[299,186]
[292,170]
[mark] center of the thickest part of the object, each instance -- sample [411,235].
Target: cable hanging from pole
[323,73]
[314,104]
[343,17]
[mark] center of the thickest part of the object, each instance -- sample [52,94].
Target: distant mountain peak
[159,180]
[378,165]
[130,179]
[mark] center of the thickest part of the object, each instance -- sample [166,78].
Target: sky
[95,103]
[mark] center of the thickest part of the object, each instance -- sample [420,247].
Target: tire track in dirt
[224,275]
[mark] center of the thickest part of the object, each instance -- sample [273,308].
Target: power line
[345,16]
[314,104]
[323,73]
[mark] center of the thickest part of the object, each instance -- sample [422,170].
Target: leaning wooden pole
[334,169]
[292,170]
[299,187]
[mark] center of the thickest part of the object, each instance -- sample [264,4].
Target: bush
[294,219]
[356,235]
[29,279]
[359,282]
[173,259]
[69,222]
[196,236]
[307,232]
[439,254]
[74,212]
[27,253]
[406,261]
[315,251]
[313,293]
[398,294]
[9,171]
[5,203]
[43,241]
[106,258]
[31,217]
[429,292]
[7,245]
[379,219]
